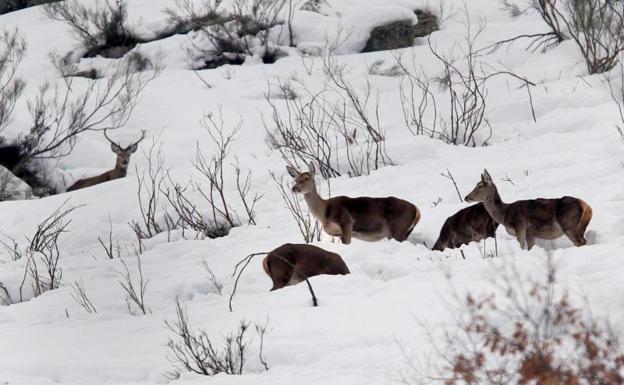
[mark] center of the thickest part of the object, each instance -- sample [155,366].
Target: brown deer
[121,165]
[471,224]
[368,219]
[291,263]
[535,218]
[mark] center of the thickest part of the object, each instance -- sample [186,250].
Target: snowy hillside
[567,144]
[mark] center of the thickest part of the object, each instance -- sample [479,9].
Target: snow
[355,335]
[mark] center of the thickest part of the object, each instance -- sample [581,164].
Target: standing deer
[291,263]
[471,224]
[368,219]
[535,218]
[121,165]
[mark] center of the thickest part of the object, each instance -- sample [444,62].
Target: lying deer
[471,224]
[291,263]
[535,218]
[121,165]
[368,219]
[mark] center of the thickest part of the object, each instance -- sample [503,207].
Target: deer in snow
[534,218]
[470,224]
[364,218]
[291,264]
[121,164]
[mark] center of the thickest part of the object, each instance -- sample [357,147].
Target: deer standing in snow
[121,164]
[291,264]
[368,219]
[534,218]
[471,224]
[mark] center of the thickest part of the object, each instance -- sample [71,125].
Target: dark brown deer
[535,218]
[368,219]
[471,224]
[121,164]
[292,263]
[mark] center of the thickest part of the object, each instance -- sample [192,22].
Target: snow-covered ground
[355,335]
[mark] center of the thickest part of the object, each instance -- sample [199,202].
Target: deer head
[304,181]
[124,153]
[483,191]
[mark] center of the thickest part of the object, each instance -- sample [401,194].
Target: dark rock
[398,34]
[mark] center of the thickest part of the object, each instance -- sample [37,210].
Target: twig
[448,175]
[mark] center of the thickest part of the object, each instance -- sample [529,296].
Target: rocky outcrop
[401,34]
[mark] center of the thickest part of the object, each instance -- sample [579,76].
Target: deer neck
[495,206]
[316,204]
[118,172]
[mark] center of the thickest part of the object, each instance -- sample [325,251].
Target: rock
[398,34]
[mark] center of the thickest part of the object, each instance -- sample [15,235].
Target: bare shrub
[218,286]
[461,119]
[594,25]
[102,29]
[214,189]
[545,339]
[153,218]
[134,287]
[242,31]
[308,226]
[42,271]
[196,352]
[15,5]
[5,296]
[80,296]
[337,128]
[12,51]
[190,15]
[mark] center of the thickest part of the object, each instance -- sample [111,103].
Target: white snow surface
[363,319]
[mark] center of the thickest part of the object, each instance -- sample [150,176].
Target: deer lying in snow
[471,224]
[368,219]
[291,263]
[535,218]
[121,165]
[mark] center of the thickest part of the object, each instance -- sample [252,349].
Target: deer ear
[486,176]
[116,149]
[311,168]
[292,171]
[133,148]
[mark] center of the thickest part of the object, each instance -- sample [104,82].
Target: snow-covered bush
[243,31]
[196,352]
[101,29]
[524,333]
[595,26]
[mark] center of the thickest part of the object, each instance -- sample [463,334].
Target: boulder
[398,34]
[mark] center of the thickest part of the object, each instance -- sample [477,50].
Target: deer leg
[521,235]
[530,241]
[346,227]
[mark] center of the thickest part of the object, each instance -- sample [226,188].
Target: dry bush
[196,352]
[7,6]
[12,51]
[242,31]
[337,128]
[190,15]
[214,189]
[80,296]
[150,182]
[134,287]
[524,333]
[101,29]
[595,26]
[41,255]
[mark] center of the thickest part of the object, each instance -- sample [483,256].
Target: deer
[292,263]
[364,218]
[540,218]
[471,224]
[121,164]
